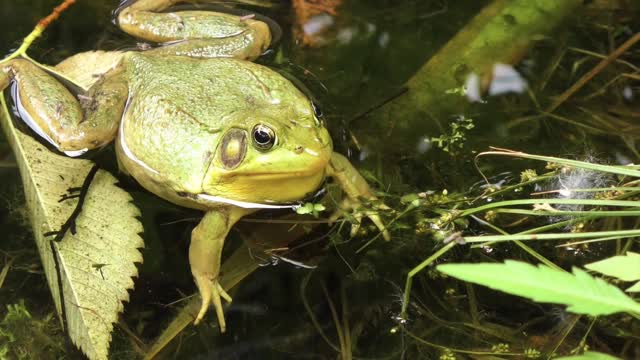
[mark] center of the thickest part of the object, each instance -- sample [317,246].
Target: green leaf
[310,208]
[623,267]
[307,208]
[582,293]
[589,355]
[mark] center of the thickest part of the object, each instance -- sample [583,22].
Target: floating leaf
[623,267]
[94,267]
[582,293]
[310,208]
[589,355]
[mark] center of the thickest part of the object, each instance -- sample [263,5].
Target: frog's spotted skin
[194,122]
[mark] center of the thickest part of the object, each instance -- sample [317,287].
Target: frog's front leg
[355,188]
[205,252]
[72,124]
[195,33]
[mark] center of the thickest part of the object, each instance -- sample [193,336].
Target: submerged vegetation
[471,226]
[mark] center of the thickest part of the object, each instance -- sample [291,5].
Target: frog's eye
[263,137]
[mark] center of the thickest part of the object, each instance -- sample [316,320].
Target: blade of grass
[522,245]
[595,240]
[569,213]
[416,270]
[554,236]
[625,203]
[595,71]
[620,170]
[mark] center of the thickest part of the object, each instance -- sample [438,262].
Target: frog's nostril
[298,149]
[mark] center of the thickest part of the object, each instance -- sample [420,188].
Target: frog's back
[208,88]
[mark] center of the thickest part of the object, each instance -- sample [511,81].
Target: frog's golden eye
[263,137]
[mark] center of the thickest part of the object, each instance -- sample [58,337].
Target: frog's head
[270,159]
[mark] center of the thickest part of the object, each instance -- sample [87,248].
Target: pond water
[327,299]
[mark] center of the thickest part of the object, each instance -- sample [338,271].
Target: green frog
[194,121]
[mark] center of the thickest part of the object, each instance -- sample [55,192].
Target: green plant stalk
[596,213]
[620,170]
[413,272]
[461,351]
[613,188]
[314,320]
[522,245]
[625,203]
[555,236]
[502,32]
[566,332]
[508,189]
[607,238]
[408,209]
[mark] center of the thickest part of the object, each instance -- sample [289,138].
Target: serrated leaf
[623,267]
[96,265]
[589,355]
[634,288]
[582,293]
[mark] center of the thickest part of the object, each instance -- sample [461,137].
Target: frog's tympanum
[194,121]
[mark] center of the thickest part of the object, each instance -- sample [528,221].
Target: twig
[39,29]
[593,72]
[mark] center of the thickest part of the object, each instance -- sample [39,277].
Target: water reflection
[505,79]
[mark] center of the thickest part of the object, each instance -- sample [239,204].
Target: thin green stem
[596,213]
[597,240]
[620,170]
[522,245]
[407,210]
[625,203]
[566,333]
[314,320]
[555,236]
[416,270]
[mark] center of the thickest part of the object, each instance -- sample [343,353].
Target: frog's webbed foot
[195,33]
[356,188]
[211,291]
[358,211]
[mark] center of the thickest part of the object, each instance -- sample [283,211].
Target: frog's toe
[355,226]
[358,212]
[375,218]
[225,295]
[216,292]
[204,286]
[211,291]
